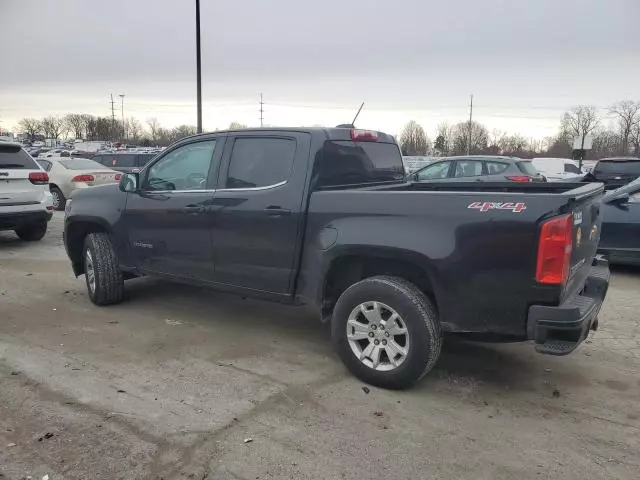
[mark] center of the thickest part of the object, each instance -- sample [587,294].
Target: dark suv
[616,171]
[123,162]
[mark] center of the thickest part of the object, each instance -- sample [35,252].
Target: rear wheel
[386,332]
[105,283]
[59,200]
[32,232]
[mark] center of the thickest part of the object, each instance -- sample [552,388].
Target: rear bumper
[13,221]
[559,330]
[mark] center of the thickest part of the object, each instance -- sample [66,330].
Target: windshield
[81,164]
[621,167]
[348,163]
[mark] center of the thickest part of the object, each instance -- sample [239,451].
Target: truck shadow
[462,363]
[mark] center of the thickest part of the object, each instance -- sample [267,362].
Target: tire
[59,200]
[33,232]
[103,277]
[415,311]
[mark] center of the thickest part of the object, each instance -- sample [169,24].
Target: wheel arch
[353,264]
[75,234]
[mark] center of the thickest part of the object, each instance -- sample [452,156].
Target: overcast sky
[525,61]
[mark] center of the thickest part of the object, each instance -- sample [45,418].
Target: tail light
[554,250]
[519,178]
[117,177]
[39,178]
[364,135]
[83,178]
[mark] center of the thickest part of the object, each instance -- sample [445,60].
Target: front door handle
[276,211]
[193,209]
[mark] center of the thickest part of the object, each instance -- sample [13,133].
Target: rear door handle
[276,211]
[193,209]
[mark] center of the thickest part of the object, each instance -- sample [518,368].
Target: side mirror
[130,182]
[415,177]
[620,201]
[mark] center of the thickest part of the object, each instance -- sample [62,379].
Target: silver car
[478,168]
[69,174]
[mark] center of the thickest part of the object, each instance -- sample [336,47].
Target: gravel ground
[185,383]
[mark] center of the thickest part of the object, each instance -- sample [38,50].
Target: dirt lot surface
[186,383]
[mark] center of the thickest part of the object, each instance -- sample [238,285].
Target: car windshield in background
[346,162]
[81,164]
[623,167]
[13,157]
[527,168]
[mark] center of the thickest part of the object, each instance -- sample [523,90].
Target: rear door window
[468,168]
[260,162]
[15,158]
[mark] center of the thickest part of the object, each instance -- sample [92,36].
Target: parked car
[555,169]
[69,174]
[615,172]
[620,236]
[323,217]
[123,162]
[26,205]
[479,168]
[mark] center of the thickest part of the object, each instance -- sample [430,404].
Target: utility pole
[124,127]
[198,69]
[113,117]
[261,111]
[470,126]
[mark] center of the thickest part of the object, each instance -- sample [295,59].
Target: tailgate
[17,189]
[587,221]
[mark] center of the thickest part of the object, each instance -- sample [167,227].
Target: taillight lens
[39,178]
[83,178]
[117,177]
[519,178]
[364,135]
[554,250]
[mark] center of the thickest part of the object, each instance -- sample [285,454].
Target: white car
[557,168]
[68,174]
[26,205]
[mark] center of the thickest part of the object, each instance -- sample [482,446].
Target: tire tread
[109,280]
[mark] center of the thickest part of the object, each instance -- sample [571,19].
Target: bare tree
[628,116]
[460,138]
[154,128]
[134,128]
[443,141]
[75,123]
[181,132]
[580,121]
[30,126]
[513,145]
[88,123]
[635,139]
[53,126]
[236,126]
[606,143]
[413,140]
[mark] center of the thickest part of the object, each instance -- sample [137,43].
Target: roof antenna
[353,123]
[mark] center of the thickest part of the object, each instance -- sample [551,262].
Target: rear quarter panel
[481,263]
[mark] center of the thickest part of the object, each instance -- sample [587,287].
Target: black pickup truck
[324,218]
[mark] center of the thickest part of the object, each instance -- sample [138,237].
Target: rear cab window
[13,157]
[348,162]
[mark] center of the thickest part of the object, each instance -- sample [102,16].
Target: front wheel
[105,283]
[386,332]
